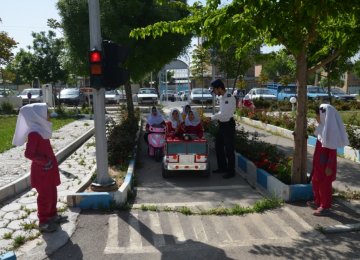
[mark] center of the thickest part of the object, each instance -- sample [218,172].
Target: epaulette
[229,95]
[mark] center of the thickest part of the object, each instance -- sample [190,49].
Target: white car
[147,95]
[35,95]
[200,95]
[260,93]
[112,96]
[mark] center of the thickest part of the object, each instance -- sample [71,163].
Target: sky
[22,17]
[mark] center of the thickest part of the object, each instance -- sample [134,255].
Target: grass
[345,115]
[8,124]
[259,207]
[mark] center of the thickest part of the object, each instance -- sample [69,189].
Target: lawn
[345,115]
[7,128]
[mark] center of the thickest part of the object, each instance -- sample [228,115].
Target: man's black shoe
[219,171]
[229,175]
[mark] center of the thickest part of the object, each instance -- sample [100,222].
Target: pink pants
[46,202]
[322,193]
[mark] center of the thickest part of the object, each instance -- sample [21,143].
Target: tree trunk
[129,101]
[300,135]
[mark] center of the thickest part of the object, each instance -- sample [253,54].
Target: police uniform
[225,138]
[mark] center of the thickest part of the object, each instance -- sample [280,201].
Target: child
[174,125]
[33,125]
[154,119]
[185,111]
[331,134]
[193,124]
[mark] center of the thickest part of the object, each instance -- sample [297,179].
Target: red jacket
[198,130]
[39,151]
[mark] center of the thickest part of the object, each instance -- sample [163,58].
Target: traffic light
[114,73]
[96,70]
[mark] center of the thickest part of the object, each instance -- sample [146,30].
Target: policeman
[225,138]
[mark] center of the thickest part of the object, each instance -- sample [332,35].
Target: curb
[271,186]
[340,228]
[104,200]
[8,256]
[22,184]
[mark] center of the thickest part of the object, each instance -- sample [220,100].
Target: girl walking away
[331,135]
[33,126]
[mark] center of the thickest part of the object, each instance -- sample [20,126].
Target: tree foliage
[200,62]
[6,45]
[118,18]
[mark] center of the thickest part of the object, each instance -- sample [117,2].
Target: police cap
[217,83]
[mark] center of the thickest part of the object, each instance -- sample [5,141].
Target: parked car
[35,94]
[339,94]
[316,93]
[200,95]
[169,95]
[285,93]
[112,96]
[260,93]
[147,95]
[71,96]
[185,95]
[9,96]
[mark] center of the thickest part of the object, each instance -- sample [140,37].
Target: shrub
[7,108]
[121,139]
[264,155]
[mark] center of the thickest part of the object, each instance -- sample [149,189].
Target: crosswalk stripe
[220,230]
[199,229]
[206,188]
[283,225]
[112,240]
[134,230]
[155,226]
[176,228]
[260,221]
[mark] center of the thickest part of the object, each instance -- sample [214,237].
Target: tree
[23,67]
[6,45]
[280,68]
[118,18]
[200,62]
[307,29]
[48,52]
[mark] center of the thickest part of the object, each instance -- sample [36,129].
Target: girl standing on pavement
[331,135]
[33,127]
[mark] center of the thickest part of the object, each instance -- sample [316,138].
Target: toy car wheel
[207,172]
[165,173]
[158,155]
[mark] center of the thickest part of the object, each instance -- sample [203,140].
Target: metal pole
[213,78]
[166,86]
[103,178]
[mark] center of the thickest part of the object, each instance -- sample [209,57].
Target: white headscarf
[194,122]
[174,123]
[331,131]
[32,118]
[155,120]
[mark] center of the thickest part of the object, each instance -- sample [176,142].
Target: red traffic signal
[95,56]
[95,62]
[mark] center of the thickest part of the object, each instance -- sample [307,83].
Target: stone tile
[5,244]
[15,215]
[11,207]
[15,225]
[33,217]
[27,200]
[4,223]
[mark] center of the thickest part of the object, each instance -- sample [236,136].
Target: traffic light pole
[103,179]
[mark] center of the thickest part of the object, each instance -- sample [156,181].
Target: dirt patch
[117,174]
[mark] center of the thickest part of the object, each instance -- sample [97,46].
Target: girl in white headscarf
[174,125]
[331,135]
[193,124]
[154,119]
[34,128]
